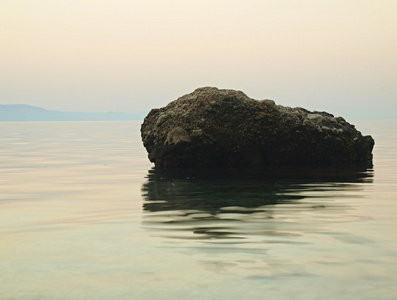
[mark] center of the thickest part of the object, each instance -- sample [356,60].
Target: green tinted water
[82,217]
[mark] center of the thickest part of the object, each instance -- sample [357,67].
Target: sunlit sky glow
[123,55]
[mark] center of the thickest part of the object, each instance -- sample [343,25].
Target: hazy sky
[99,55]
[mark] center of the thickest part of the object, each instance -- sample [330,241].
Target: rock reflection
[237,207]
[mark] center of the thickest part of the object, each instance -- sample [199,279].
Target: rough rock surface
[214,129]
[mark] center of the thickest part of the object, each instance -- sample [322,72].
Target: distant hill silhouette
[22,112]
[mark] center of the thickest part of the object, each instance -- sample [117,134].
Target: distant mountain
[22,112]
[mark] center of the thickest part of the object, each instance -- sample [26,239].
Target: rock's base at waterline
[219,129]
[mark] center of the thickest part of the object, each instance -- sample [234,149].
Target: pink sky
[97,55]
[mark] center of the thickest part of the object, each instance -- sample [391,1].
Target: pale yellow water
[81,219]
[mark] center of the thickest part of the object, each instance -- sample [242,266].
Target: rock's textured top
[214,128]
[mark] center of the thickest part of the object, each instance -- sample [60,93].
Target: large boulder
[213,129]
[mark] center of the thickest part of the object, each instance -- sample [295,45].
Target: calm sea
[82,217]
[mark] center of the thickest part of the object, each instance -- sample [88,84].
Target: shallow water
[82,217]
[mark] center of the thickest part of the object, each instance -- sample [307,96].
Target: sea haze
[22,112]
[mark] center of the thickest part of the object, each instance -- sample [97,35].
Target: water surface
[83,217]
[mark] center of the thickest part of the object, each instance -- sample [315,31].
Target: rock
[216,129]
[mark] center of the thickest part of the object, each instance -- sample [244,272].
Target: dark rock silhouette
[213,129]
